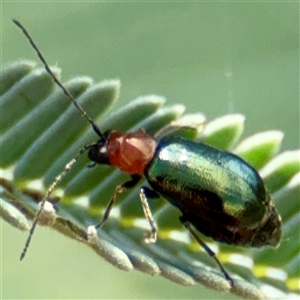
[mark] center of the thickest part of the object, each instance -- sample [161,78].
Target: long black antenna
[57,180]
[56,80]
[75,159]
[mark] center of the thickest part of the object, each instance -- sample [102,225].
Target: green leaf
[42,131]
[260,148]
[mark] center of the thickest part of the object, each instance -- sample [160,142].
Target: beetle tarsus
[187,225]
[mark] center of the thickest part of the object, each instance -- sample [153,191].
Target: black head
[98,152]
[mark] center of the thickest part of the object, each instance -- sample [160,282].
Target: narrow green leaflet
[35,115]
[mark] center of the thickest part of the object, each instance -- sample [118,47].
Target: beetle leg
[144,193]
[187,225]
[119,189]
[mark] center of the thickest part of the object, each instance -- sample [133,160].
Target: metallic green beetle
[217,192]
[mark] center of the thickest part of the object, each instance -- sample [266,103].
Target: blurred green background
[216,58]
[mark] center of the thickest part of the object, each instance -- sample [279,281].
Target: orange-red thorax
[131,152]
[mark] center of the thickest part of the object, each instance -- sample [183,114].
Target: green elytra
[218,192]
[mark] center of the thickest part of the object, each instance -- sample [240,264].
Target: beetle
[217,192]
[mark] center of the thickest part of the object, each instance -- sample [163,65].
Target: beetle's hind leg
[187,225]
[146,193]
